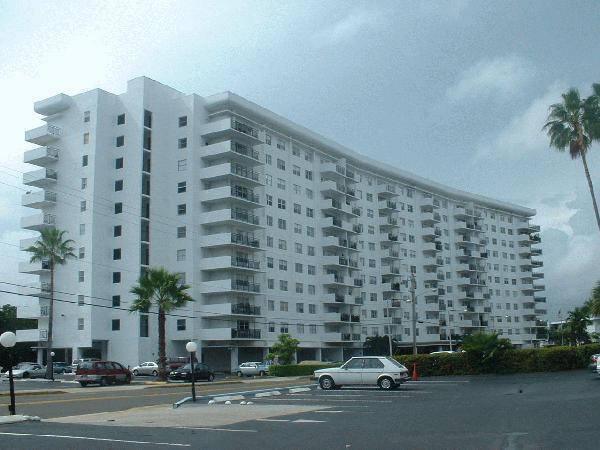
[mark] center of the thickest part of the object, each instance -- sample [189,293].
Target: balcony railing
[245,263]
[239,192]
[245,285]
[244,239]
[242,308]
[244,128]
[244,216]
[244,150]
[245,334]
[243,171]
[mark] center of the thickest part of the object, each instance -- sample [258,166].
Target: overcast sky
[453,91]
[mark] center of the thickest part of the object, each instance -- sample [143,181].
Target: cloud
[349,26]
[557,213]
[496,78]
[523,134]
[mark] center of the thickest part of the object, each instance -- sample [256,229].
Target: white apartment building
[275,228]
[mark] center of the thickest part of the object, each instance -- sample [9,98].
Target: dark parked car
[102,373]
[61,367]
[201,372]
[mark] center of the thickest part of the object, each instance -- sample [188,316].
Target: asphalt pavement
[525,411]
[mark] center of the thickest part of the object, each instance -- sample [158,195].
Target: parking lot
[555,410]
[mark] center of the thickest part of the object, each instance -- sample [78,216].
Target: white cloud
[556,213]
[496,78]
[349,26]
[523,134]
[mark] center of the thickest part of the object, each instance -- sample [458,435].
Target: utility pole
[413,286]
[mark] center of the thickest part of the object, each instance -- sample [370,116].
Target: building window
[84,161]
[116,254]
[181,187]
[118,185]
[310,250]
[118,208]
[181,325]
[308,174]
[86,116]
[181,254]
[147,118]
[310,212]
[119,163]
[81,229]
[83,183]
[182,143]
[297,208]
[280,164]
[181,209]
[181,232]
[143,325]
[82,205]
[268,139]
[116,324]
[121,119]
[312,309]
[86,138]
[116,277]
[80,300]
[283,306]
[80,323]
[120,141]
[81,252]
[271,327]
[116,301]
[296,170]
[281,184]
[117,230]
[283,286]
[182,121]
[181,165]
[280,203]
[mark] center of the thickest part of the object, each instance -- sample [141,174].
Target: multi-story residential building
[275,228]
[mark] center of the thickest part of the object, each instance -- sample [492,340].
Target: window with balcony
[183,121]
[120,141]
[116,254]
[181,187]
[116,324]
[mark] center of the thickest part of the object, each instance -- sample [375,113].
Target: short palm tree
[573,125]
[164,290]
[54,250]
[577,322]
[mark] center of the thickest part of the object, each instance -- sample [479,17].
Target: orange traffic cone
[415,374]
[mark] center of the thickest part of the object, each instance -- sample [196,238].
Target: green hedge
[550,359]
[296,370]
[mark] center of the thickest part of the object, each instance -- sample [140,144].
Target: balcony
[334,298]
[231,171]
[36,268]
[390,255]
[229,285]
[32,311]
[386,191]
[231,309]
[38,222]
[28,242]
[341,337]
[231,150]
[341,261]
[231,263]
[337,224]
[39,289]
[52,105]
[232,194]
[39,200]
[34,335]
[236,217]
[529,229]
[230,128]
[338,279]
[41,156]
[339,243]
[227,334]
[41,178]
[430,217]
[44,135]
[246,241]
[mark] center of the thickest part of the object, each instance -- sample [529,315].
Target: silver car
[146,368]
[382,371]
[28,370]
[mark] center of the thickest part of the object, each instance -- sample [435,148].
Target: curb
[18,419]
[37,392]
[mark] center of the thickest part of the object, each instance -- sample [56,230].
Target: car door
[145,369]
[37,370]
[350,373]
[372,369]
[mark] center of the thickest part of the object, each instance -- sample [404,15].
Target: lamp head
[8,339]
[191,346]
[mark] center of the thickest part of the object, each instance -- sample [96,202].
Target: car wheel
[154,373]
[83,383]
[326,383]
[25,375]
[211,377]
[261,373]
[386,383]
[103,381]
[136,373]
[239,374]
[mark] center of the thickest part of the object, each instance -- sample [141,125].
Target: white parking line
[272,420]
[218,429]
[313,399]
[308,421]
[439,381]
[87,438]
[330,411]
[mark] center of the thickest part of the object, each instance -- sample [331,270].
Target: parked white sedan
[27,370]
[146,368]
[382,371]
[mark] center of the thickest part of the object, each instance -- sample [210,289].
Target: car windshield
[22,366]
[394,362]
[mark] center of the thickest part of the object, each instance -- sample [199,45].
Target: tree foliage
[163,290]
[9,322]
[284,350]
[378,346]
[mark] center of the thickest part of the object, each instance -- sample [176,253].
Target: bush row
[296,370]
[550,359]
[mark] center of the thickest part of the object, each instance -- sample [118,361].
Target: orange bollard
[415,374]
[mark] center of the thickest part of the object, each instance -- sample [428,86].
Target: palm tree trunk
[591,186]
[49,362]
[162,354]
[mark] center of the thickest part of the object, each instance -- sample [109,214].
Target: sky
[455,91]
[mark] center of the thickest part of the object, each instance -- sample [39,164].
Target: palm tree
[160,288]
[593,304]
[573,124]
[54,250]
[577,322]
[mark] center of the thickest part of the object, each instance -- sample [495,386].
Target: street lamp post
[8,340]
[52,354]
[191,347]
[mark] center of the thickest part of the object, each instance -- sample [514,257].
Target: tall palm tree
[573,124]
[162,289]
[593,304]
[53,249]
